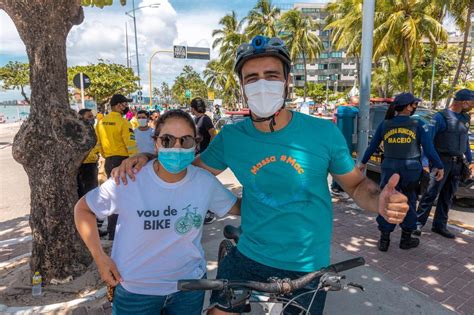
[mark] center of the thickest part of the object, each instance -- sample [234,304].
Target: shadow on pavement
[440,268]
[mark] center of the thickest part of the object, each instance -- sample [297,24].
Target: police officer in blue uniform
[403,137]
[450,129]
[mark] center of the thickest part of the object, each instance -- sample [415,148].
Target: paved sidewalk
[441,269]
[435,278]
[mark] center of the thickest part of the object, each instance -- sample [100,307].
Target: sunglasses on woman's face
[186,142]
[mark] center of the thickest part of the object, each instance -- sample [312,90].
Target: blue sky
[102,35]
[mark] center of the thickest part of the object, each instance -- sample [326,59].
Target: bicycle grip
[346,265]
[200,284]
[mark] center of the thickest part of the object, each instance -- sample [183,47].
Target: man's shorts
[236,266]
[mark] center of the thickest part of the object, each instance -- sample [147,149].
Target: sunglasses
[186,142]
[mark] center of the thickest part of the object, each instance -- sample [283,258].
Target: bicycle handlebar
[280,286]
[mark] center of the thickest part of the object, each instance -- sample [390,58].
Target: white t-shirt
[159,228]
[144,140]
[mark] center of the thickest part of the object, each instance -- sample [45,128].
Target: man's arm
[389,203]
[199,163]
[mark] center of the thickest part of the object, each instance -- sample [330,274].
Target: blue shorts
[236,266]
[178,303]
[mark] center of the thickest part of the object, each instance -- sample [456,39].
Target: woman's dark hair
[176,114]
[144,112]
[392,109]
[199,105]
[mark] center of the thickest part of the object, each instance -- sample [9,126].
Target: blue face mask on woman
[175,160]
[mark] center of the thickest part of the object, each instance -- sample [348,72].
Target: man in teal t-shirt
[286,204]
[282,159]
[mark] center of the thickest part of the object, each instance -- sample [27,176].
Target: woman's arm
[87,227]
[235,210]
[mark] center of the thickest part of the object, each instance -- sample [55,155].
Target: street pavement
[436,278]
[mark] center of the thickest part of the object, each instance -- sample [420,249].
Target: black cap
[119,98]
[404,99]
[464,95]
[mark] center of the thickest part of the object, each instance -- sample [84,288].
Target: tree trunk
[52,143]
[406,56]
[22,90]
[467,30]
[305,77]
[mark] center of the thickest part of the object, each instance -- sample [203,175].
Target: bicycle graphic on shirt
[190,219]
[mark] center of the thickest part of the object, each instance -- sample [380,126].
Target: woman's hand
[108,270]
[130,167]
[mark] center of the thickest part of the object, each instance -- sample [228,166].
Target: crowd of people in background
[127,130]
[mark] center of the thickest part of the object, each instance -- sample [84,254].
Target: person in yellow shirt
[100,115]
[116,142]
[87,175]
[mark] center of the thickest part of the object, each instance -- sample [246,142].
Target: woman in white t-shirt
[159,228]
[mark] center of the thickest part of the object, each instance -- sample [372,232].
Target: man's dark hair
[83,111]
[177,114]
[144,112]
[199,105]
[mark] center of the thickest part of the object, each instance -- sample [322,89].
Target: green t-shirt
[286,204]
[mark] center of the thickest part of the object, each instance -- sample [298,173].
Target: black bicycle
[275,295]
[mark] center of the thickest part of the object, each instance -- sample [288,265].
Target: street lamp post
[135,30]
[149,73]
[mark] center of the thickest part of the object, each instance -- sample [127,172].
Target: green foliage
[100,3]
[163,93]
[263,19]
[189,79]
[15,75]
[107,79]
[315,91]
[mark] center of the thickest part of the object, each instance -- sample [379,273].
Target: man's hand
[108,270]
[426,169]
[471,166]
[130,167]
[392,205]
[438,173]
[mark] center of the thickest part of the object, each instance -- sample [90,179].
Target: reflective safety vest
[400,140]
[453,140]
[115,136]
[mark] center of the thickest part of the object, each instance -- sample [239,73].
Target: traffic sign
[198,53]
[179,52]
[86,81]
[139,93]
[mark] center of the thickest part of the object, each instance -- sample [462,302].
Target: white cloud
[11,43]
[102,36]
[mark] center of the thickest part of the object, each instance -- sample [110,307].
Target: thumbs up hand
[393,205]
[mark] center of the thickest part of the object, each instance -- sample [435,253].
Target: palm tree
[214,75]
[228,38]
[345,23]
[406,24]
[462,11]
[297,32]
[263,19]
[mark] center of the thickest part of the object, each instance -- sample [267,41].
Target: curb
[24,310]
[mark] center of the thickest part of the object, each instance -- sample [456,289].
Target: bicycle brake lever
[355,285]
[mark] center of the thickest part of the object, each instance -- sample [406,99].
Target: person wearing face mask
[161,220]
[282,159]
[116,139]
[87,175]
[403,136]
[144,134]
[450,129]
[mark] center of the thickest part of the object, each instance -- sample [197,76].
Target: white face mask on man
[265,97]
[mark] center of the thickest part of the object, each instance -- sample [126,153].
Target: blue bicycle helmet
[262,46]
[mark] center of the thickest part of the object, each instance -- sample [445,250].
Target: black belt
[455,158]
